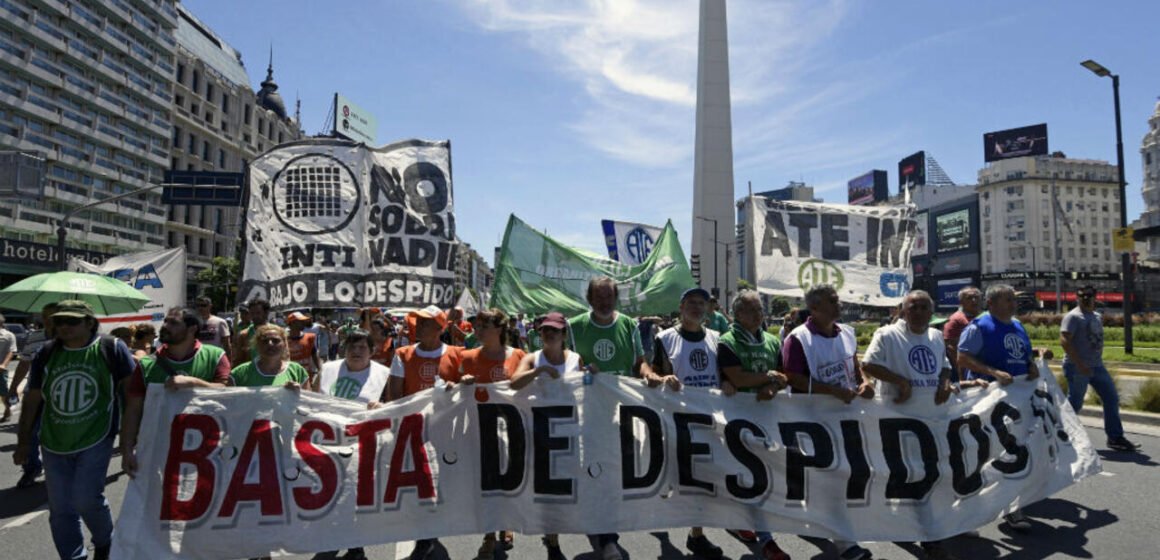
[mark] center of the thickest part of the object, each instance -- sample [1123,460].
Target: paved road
[1113,515]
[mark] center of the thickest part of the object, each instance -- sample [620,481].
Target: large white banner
[158,274]
[863,251]
[629,242]
[244,472]
[337,224]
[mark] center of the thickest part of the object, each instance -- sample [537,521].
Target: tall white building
[1019,228]
[88,84]
[1150,154]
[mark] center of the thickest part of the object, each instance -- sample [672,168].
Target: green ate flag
[536,274]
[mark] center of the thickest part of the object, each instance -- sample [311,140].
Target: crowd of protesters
[68,431]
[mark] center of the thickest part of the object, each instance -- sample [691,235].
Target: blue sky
[567,112]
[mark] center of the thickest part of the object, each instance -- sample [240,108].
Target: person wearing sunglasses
[1082,336]
[273,366]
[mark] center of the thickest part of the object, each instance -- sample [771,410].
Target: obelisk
[713,156]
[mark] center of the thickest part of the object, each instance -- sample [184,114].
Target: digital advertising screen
[952,230]
[912,171]
[1015,142]
[861,189]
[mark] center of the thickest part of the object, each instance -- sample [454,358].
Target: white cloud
[637,62]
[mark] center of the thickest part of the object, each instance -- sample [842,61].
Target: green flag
[536,274]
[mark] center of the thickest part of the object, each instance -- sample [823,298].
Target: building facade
[1047,213]
[472,271]
[219,124]
[1150,156]
[88,84]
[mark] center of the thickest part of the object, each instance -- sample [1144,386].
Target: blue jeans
[1101,381]
[76,491]
[33,464]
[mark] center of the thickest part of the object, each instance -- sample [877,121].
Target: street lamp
[1125,258]
[716,268]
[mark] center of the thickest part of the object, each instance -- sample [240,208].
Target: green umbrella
[107,295]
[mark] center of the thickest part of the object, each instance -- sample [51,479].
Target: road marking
[1106,473]
[25,519]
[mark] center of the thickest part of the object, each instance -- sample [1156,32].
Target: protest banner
[537,274]
[332,223]
[245,472]
[629,242]
[157,274]
[862,251]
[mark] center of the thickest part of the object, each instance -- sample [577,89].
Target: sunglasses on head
[71,321]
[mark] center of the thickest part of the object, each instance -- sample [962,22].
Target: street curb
[1135,417]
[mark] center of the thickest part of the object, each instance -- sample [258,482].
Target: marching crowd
[84,388]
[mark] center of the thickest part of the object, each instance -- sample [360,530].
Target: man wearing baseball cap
[77,427]
[1082,336]
[686,354]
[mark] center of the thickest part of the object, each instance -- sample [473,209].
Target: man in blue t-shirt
[995,347]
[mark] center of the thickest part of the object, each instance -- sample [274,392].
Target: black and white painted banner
[863,251]
[247,472]
[336,224]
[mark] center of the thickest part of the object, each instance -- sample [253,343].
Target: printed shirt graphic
[488,370]
[758,355]
[694,362]
[214,331]
[248,375]
[79,398]
[612,348]
[364,385]
[422,370]
[919,358]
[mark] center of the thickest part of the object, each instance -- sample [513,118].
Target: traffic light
[695,267]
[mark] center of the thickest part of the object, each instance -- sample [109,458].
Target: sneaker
[14,400]
[28,479]
[773,552]
[747,537]
[1122,444]
[1017,521]
[423,549]
[554,552]
[701,546]
[855,552]
[936,551]
[355,554]
[102,552]
[610,552]
[487,549]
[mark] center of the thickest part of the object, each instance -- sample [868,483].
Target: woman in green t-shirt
[273,367]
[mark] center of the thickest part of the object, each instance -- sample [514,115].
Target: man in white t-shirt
[909,358]
[215,330]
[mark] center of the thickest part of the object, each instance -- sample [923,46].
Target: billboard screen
[946,294]
[952,230]
[1016,142]
[871,187]
[861,189]
[353,122]
[912,171]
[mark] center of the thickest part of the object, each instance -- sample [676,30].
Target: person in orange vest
[421,366]
[381,341]
[303,345]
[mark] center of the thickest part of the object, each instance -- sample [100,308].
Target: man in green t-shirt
[182,362]
[714,319]
[609,342]
[242,348]
[75,379]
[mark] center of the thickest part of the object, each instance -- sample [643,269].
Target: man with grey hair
[995,347]
[821,357]
[970,303]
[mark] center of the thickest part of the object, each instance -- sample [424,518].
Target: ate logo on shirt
[1014,345]
[699,359]
[73,393]
[604,349]
[496,373]
[346,388]
[428,371]
[922,360]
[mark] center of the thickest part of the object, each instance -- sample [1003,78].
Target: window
[1043,189]
[221,159]
[205,150]
[179,100]
[191,147]
[1147,158]
[209,91]
[180,72]
[195,85]
[176,136]
[246,114]
[225,102]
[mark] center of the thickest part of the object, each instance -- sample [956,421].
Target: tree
[778,306]
[221,281]
[743,284]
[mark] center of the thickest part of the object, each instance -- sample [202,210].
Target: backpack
[108,352]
